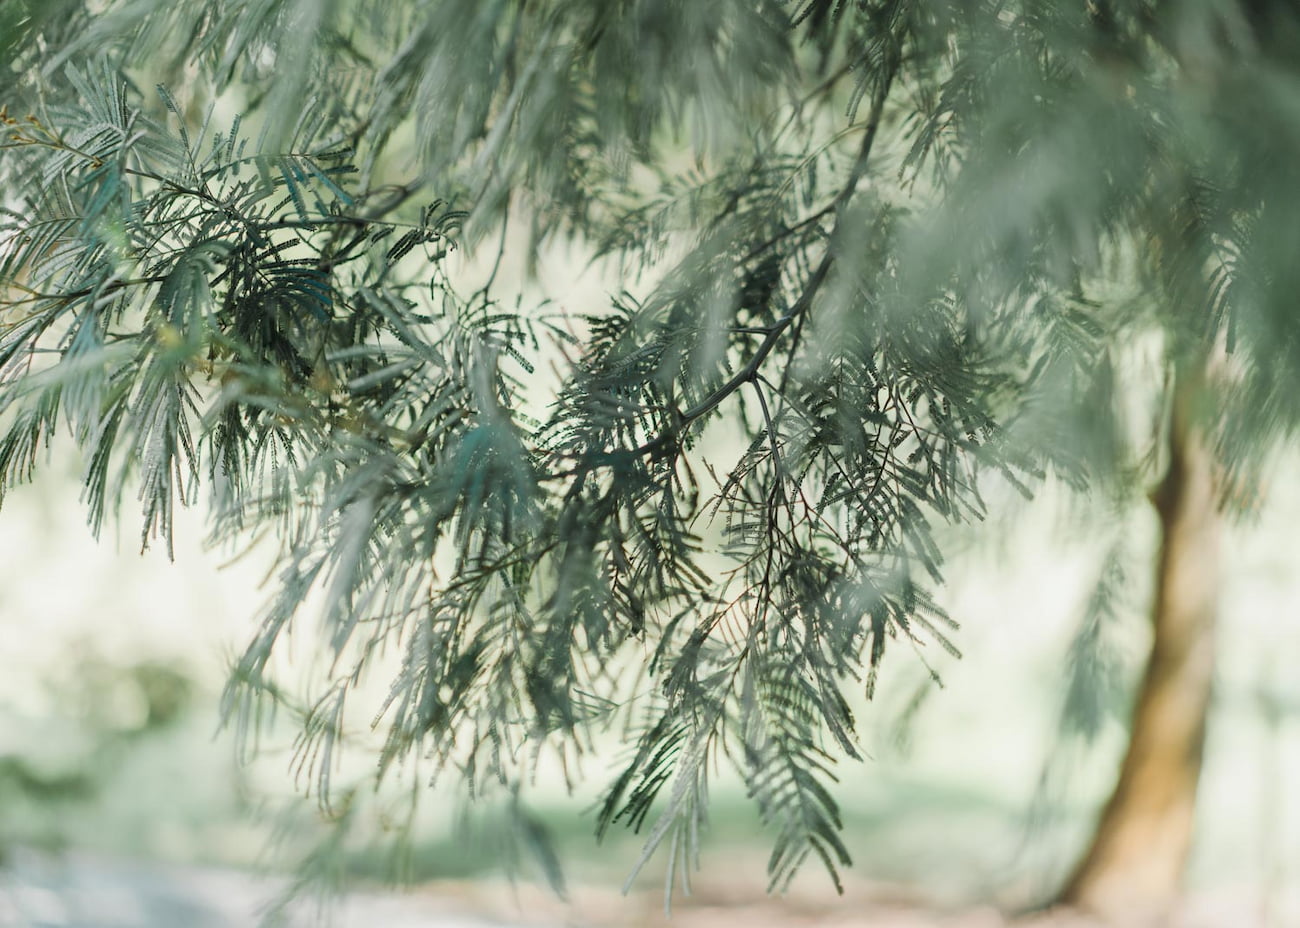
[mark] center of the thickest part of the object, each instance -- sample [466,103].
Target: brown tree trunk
[1132,871]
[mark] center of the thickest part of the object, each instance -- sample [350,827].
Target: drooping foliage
[872,249]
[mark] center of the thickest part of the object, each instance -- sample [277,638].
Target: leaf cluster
[873,252]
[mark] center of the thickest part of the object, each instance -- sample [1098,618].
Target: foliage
[885,246]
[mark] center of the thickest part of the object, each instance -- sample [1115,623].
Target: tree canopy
[874,250]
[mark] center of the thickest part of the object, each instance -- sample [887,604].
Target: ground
[81,891]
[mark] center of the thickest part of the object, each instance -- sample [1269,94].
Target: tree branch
[680,419]
[804,302]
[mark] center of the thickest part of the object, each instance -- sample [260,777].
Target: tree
[1135,861]
[908,234]
[1211,429]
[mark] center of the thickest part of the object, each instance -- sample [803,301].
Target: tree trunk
[1132,871]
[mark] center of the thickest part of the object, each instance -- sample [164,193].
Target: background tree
[909,242]
[1198,217]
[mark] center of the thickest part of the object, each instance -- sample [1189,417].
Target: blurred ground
[86,891]
[741,904]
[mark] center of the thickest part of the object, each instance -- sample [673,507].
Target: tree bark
[1132,871]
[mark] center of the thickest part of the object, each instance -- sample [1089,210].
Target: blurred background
[123,801]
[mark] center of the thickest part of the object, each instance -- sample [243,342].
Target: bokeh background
[115,770]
